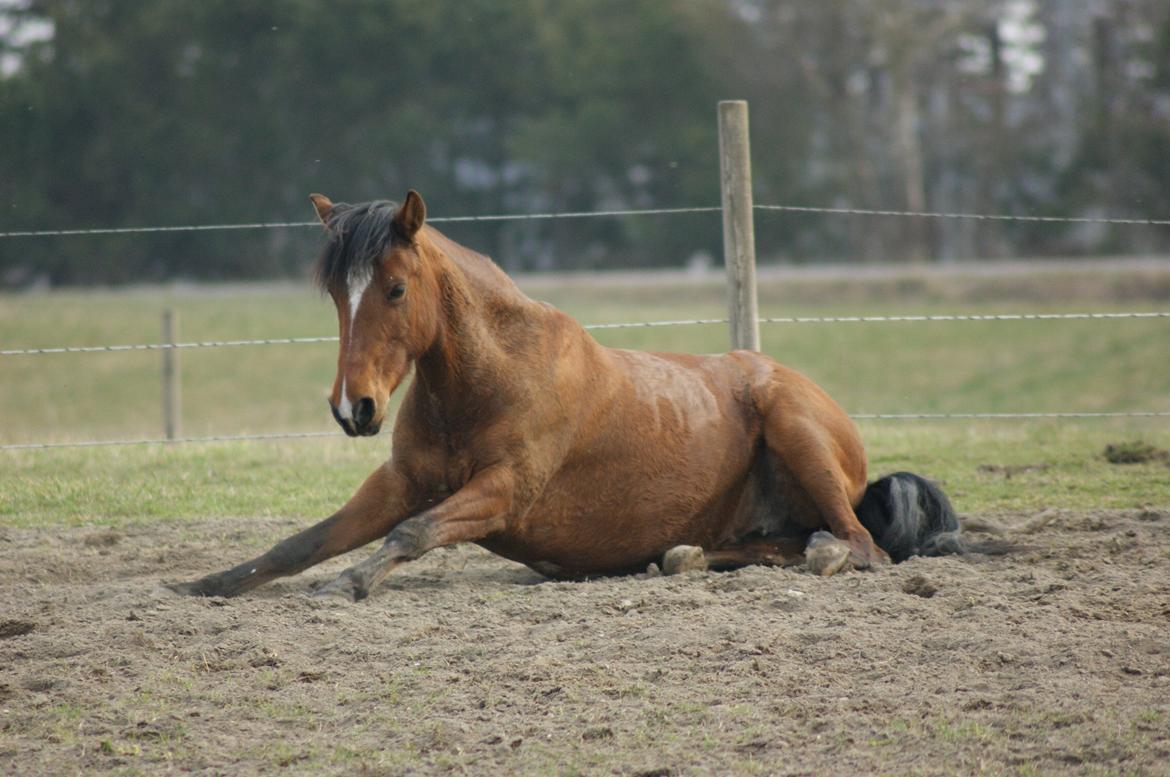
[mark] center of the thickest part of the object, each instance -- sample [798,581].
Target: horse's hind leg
[813,438]
[383,501]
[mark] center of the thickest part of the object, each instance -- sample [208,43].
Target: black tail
[910,516]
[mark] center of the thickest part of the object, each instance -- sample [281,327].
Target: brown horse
[521,433]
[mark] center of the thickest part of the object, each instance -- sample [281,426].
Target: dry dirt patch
[1051,660]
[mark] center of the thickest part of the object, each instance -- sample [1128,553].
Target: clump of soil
[1008,471]
[10,629]
[1135,452]
[102,539]
[919,586]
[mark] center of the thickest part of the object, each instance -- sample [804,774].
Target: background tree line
[126,113]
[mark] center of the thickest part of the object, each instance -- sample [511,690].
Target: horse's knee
[411,538]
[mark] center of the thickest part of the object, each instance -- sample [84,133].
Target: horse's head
[388,304]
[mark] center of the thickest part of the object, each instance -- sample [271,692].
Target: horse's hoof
[192,588]
[871,557]
[826,555]
[182,589]
[683,558]
[342,589]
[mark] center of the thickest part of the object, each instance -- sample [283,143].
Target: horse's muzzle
[362,424]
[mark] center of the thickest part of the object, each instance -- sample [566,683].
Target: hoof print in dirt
[825,555]
[919,586]
[684,558]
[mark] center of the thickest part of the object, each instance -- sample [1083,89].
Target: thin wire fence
[957,317]
[609,214]
[290,224]
[928,214]
[1008,416]
[165,441]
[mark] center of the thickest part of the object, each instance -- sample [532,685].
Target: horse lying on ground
[524,435]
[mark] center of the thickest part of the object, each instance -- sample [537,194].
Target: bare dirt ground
[1052,660]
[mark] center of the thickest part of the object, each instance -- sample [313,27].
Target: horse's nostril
[363,412]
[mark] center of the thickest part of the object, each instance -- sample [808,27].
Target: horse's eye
[396,292]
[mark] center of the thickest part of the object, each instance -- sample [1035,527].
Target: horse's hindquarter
[661,456]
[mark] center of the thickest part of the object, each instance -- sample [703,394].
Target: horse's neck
[480,303]
[475,274]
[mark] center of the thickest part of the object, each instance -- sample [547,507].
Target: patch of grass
[126,485]
[284,755]
[962,732]
[66,711]
[992,466]
[1151,716]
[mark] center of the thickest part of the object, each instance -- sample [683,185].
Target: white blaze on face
[357,289]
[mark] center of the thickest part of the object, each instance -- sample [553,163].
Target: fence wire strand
[165,346]
[166,441]
[946,416]
[927,214]
[609,214]
[289,224]
[964,317]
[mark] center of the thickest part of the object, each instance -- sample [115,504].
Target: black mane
[358,235]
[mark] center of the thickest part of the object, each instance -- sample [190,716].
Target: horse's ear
[410,217]
[324,207]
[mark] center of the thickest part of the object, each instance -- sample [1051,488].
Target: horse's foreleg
[384,500]
[472,513]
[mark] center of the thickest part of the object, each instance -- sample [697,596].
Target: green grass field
[1113,365]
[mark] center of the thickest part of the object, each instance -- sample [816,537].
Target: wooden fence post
[170,375]
[739,233]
